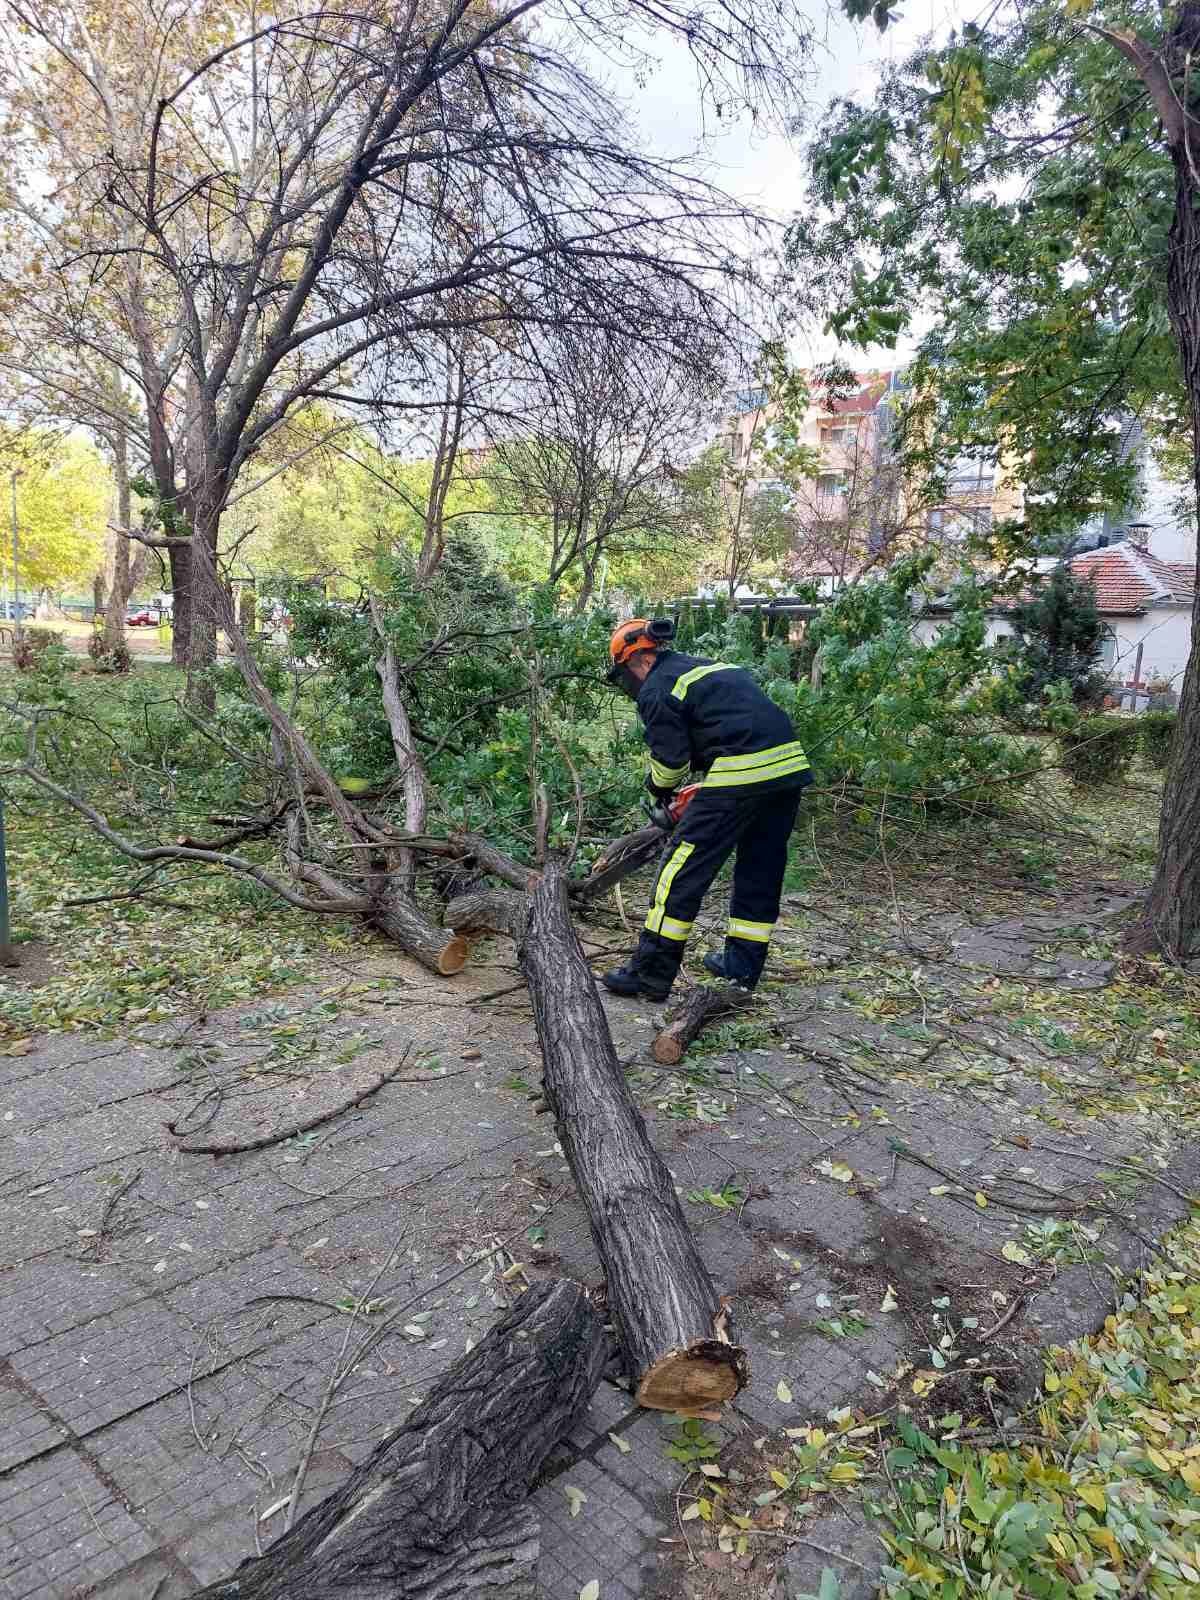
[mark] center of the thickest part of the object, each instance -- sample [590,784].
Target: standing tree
[321,206]
[1031,191]
[1059,631]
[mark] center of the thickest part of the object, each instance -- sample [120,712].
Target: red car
[142,619]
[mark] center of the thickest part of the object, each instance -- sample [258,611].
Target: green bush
[1157,729]
[1098,749]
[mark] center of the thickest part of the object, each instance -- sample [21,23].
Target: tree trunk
[436,1512]
[412,768]
[700,1006]
[669,1318]
[1172,918]
[119,581]
[180,558]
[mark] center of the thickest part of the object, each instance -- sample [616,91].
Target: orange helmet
[639,633]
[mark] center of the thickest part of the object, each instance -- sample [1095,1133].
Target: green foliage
[509,686]
[1058,633]
[896,717]
[1099,749]
[1033,266]
[62,509]
[35,648]
[1157,737]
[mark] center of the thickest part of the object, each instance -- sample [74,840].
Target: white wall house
[1143,601]
[1146,602]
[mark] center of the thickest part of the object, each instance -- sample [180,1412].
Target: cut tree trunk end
[700,1006]
[670,1321]
[442,950]
[436,1512]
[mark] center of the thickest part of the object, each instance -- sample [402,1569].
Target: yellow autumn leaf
[780,1479]
[818,1437]
[706,1509]
[980,1198]
[844,1472]
[1159,1460]
[1092,1494]
[1051,1382]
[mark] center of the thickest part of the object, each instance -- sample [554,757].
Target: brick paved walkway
[155,1397]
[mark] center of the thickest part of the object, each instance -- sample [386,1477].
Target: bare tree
[317,207]
[592,462]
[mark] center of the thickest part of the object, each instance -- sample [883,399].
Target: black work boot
[740,974]
[649,972]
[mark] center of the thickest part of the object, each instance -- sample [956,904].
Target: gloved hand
[656,810]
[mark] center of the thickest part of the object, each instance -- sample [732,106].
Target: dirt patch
[36,968]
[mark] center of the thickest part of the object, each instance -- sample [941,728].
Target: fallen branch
[700,1006]
[438,1508]
[293,1130]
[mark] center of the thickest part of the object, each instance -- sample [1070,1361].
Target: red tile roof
[874,387]
[1129,580]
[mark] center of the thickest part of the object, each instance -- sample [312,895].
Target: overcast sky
[765,168]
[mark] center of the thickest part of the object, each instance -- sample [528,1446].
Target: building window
[954,524]
[733,447]
[1107,658]
[751,399]
[843,435]
[971,473]
[832,485]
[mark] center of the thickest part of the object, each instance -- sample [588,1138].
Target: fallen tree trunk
[436,1512]
[700,1006]
[669,1319]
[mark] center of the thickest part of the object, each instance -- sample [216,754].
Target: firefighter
[705,716]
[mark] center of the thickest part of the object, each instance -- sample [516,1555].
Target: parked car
[141,619]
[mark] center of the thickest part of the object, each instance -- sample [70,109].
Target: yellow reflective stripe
[658,911]
[742,779]
[686,679]
[757,758]
[760,932]
[672,928]
[665,777]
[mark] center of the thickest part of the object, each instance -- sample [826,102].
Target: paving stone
[83,1143]
[62,1530]
[42,1299]
[26,1427]
[147,1578]
[113,1365]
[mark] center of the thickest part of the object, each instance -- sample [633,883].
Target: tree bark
[120,584]
[441,950]
[436,1511]
[623,856]
[700,1006]
[180,557]
[1172,918]
[412,768]
[669,1319]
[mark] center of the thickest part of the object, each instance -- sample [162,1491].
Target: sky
[765,168]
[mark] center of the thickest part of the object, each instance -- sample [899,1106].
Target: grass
[204,940]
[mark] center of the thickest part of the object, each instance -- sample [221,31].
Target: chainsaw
[668,816]
[626,854]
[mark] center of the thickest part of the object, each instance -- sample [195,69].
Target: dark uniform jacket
[713,718]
